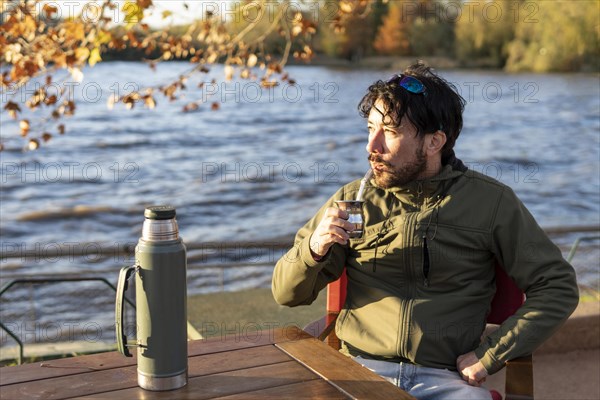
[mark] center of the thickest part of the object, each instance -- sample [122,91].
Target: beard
[401,175]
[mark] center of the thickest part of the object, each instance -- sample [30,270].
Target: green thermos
[161,295]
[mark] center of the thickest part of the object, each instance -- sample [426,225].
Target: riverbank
[399,63]
[385,62]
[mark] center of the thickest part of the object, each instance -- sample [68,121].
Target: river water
[261,165]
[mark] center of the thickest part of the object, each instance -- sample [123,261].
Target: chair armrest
[324,329]
[519,374]
[315,328]
[519,379]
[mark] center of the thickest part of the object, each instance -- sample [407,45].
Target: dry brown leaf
[33,144]
[190,107]
[229,71]
[24,125]
[252,60]
[12,108]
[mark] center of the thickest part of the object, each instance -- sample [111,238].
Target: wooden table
[279,364]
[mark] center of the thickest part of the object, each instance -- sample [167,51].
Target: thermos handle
[124,276]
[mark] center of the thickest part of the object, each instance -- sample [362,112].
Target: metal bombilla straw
[363,183]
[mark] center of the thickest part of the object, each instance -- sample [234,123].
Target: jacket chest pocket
[453,257]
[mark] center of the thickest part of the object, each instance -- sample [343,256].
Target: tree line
[515,35]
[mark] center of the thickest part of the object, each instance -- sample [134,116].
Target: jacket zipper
[426,265]
[406,306]
[419,192]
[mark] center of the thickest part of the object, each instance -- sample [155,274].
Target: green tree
[557,36]
[431,32]
[393,35]
[483,31]
[350,36]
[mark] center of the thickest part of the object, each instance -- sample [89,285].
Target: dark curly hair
[440,108]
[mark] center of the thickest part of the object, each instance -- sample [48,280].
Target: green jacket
[422,291]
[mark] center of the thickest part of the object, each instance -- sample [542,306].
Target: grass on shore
[247,311]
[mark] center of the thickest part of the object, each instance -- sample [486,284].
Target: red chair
[506,301]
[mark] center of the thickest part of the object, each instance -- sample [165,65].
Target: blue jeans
[425,383]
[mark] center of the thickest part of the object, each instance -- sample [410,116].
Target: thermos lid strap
[159,212]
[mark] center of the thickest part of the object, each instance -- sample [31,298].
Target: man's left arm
[538,268]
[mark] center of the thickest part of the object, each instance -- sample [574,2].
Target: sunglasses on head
[409,83]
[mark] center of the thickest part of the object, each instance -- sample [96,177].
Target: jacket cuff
[491,364]
[306,254]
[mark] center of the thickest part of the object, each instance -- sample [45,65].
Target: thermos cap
[159,212]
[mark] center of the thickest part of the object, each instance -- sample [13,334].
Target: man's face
[396,154]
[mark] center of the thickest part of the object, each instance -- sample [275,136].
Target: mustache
[377,159]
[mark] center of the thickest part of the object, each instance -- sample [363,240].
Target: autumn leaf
[61,129]
[166,14]
[190,107]
[229,71]
[24,125]
[215,106]
[82,54]
[252,60]
[69,108]
[268,84]
[76,74]
[94,57]
[50,100]
[296,30]
[149,101]
[33,144]
[46,136]
[346,6]
[5,79]
[74,30]
[12,108]
[49,10]
[103,37]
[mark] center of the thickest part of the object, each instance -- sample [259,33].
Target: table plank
[246,340]
[317,389]
[72,385]
[222,384]
[104,361]
[350,378]
[126,377]
[63,366]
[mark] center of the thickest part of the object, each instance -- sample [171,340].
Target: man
[421,277]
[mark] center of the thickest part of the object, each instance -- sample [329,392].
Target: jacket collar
[417,191]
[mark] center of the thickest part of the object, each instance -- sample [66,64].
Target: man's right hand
[332,229]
